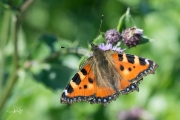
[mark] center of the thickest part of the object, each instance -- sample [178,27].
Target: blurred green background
[43,68]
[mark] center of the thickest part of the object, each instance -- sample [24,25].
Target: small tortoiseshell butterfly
[105,75]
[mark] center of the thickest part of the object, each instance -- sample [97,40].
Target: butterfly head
[93,46]
[95,49]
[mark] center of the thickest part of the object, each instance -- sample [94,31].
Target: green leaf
[121,22]
[145,39]
[125,21]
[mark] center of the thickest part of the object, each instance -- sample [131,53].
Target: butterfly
[106,75]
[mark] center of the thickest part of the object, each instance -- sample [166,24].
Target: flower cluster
[109,46]
[135,114]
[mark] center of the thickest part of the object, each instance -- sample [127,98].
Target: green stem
[120,23]
[14,76]
[77,50]
[3,40]
[8,88]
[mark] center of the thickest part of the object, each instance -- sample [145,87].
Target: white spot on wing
[146,60]
[65,91]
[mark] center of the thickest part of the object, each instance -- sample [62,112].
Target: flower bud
[112,36]
[132,36]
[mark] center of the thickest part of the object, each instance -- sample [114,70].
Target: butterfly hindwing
[104,95]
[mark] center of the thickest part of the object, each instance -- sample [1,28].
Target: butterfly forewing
[132,69]
[82,87]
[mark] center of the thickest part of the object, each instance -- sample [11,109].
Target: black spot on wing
[85,86]
[84,72]
[129,69]
[142,61]
[120,56]
[69,88]
[130,58]
[76,79]
[150,62]
[90,80]
[63,95]
[121,67]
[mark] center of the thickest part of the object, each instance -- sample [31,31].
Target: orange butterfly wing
[132,69]
[83,87]
[104,95]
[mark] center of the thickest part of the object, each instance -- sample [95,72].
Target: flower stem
[3,40]
[14,76]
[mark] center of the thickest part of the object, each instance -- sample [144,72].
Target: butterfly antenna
[102,17]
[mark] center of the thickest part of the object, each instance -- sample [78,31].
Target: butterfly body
[105,75]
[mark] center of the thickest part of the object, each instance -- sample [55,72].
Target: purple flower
[112,36]
[135,114]
[109,46]
[132,36]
